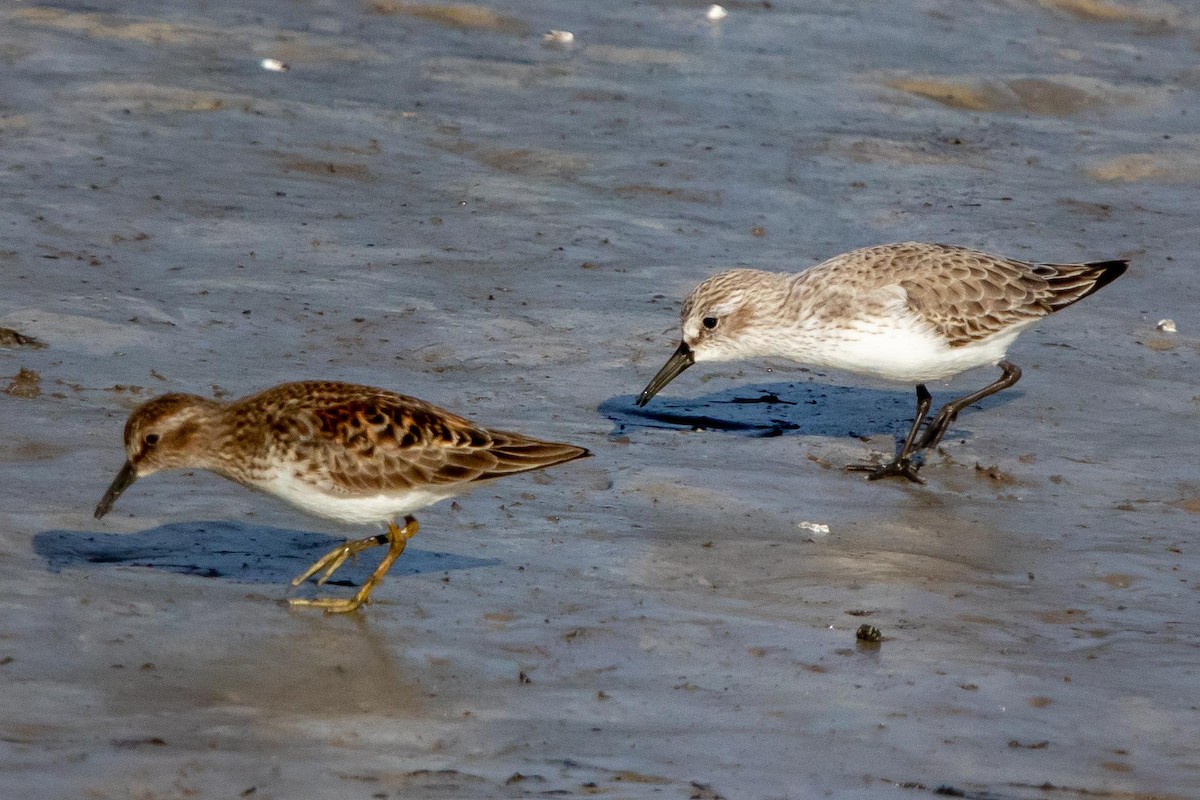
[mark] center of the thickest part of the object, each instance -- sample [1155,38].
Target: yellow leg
[338,555]
[396,538]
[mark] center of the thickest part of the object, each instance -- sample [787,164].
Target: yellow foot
[395,538]
[332,605]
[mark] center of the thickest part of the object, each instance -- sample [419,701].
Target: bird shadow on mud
[233,551]
[801,408]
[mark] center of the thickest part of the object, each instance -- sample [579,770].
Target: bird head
[725,318]
[160,434]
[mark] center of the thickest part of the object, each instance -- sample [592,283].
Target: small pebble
[868,633]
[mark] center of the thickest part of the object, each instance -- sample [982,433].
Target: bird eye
[709,322]
[151,439]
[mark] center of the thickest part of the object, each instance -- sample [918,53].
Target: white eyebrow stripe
[729,306]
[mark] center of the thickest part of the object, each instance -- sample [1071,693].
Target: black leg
[924,401]
[949,412]
[901,465]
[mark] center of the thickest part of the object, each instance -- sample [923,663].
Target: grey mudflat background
[434,200]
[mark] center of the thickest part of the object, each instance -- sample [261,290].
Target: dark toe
[898,468]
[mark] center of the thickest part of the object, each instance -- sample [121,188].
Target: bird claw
[330,605]
[396,538]
[896,468]
[328,562]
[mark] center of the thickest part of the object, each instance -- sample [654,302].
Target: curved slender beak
[677,363]
[123,481]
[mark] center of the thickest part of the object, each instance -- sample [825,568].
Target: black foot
[896,468]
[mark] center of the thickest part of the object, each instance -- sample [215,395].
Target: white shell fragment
[559,37]
[816,528]
[275,65]
[716,12]
[1166,325]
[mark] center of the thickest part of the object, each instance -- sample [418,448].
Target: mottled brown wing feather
[967,296]
[378,441]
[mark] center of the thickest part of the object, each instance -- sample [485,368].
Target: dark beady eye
[709,322]
[151,439]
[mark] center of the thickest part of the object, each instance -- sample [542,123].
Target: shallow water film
[438,199]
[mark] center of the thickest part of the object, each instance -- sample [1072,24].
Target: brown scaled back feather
[363,441]
[967,295]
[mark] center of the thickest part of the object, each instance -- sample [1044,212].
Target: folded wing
[390,442]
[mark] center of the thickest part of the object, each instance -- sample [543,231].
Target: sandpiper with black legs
[910,312]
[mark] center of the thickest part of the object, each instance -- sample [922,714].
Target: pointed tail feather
[1070,283]
[521,453]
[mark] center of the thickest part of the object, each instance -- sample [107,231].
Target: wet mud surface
[433,199]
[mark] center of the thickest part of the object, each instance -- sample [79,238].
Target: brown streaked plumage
[911,312]
[338,450]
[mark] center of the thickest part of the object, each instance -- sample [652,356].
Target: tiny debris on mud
[11,338]
[24,384]
[994,473]
[815,528]
[820,462]
[518,777]
[1042,745]
[869,634]
[1166,326]
[146,741]
[704,791]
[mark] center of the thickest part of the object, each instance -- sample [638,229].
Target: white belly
[361,509]
[906,354]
